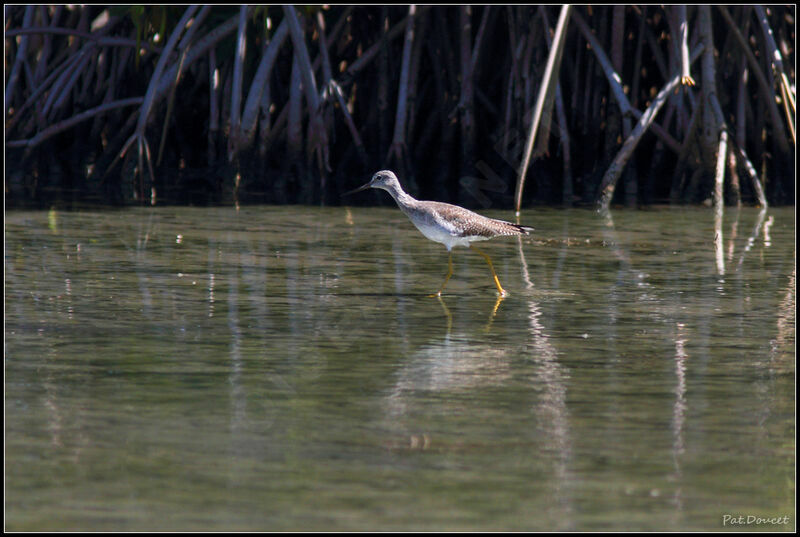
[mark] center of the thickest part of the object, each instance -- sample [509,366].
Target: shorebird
[448,224]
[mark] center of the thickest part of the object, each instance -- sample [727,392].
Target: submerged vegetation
[281,104]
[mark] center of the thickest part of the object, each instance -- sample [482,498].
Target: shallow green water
[275,368]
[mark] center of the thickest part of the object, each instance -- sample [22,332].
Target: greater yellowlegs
[448,224]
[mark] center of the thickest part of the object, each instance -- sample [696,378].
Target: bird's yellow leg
[494,274]
[447,314]
[449,273]
[500,298]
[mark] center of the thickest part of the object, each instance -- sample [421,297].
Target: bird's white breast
[444,235]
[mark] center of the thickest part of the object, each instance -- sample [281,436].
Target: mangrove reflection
[171,363]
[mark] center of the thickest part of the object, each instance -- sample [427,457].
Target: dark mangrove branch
[295,104]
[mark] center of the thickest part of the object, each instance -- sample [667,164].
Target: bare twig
[336,90]
[398,146]
[183,47]
[63,86]
[413,76]
[744,160]
[567,190]
[466,103]
[61,126]
[686,71]
[213,105]
[261,81]
[686,146]
[98,40]
[301,53]
[200,48]
[614,81]
[19,60]
[613,78]
[608,184]
[368,55]
[238,74]
[719,171]
[777,65]
[766,91]
[548,85]
[151,95]
[317,136]
[294,137]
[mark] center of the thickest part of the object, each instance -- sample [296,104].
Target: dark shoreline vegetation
[133,105]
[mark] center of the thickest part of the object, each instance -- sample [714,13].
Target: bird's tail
[525,230]
[510,228]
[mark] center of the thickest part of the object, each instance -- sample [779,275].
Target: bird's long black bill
[359,189]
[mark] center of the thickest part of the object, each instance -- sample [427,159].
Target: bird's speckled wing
[465,223]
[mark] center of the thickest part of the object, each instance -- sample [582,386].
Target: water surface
[282,368]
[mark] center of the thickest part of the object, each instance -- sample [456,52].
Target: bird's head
[384,179]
